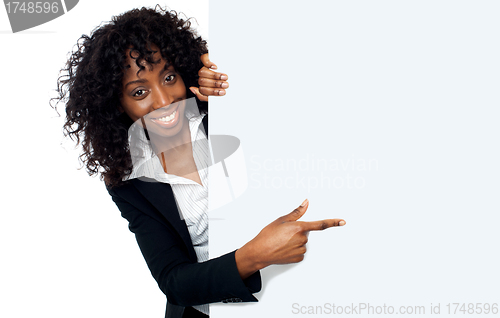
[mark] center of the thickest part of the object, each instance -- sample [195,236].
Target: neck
[178,148]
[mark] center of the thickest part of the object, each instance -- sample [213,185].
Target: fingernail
[222,92]
[213,67]
[223,77]
[192,90]
[342,223]
[304,203]
[224,85]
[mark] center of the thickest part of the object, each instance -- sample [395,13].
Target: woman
[139,73]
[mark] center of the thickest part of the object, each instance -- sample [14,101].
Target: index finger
[322,224]
[207,73]
[206,61]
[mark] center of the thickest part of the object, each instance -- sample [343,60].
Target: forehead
[132,70]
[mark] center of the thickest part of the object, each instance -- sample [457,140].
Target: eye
[170,78]
[139,93]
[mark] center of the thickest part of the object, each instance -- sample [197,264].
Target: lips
[166,119]
[163,112]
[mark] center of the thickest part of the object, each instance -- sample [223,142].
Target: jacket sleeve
[183,282]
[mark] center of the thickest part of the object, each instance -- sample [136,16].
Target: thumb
[297,213]
[206,61]
[200,96]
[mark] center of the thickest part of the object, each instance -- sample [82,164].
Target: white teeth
[166,119]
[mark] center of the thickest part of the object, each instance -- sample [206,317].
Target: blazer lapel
[161,196]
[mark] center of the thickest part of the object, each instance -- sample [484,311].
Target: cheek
[135,110]
[181,88]
[183,92]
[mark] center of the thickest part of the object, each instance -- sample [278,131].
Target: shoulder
[132,187]
[118,190]
[145,194]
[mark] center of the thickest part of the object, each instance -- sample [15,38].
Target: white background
[412,86]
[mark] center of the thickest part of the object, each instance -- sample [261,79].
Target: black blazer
[164,240]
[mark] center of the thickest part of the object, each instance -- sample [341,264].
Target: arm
[183,282]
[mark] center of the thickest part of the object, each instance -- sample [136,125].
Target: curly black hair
[91,84]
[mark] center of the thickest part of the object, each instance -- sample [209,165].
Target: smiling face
[154,94]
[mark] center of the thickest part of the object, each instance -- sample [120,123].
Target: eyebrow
[135,82]
[165,68]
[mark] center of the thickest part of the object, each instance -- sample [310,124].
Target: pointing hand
[281,242]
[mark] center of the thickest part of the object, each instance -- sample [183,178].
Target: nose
[162,97]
